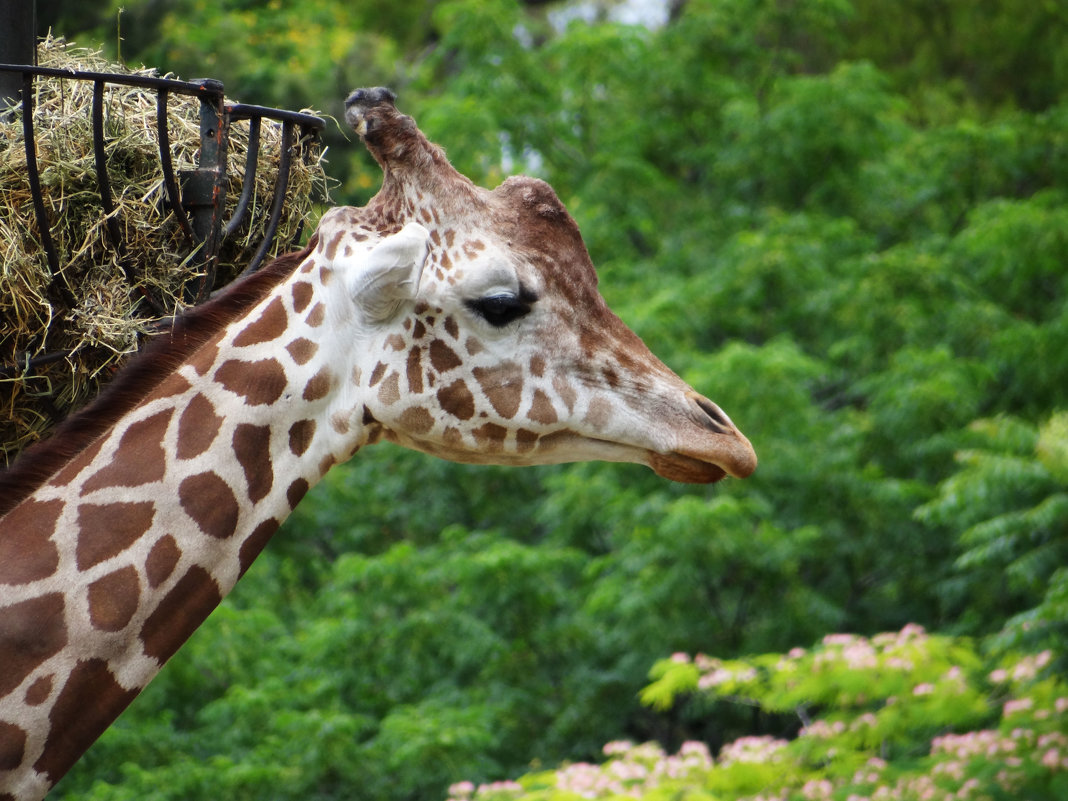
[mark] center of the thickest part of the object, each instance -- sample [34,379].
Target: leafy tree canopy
[844,220]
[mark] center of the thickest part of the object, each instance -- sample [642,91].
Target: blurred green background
[845,221]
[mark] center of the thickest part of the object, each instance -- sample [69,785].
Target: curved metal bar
[248,182]
[280,187]
[103,182]
[29,363]
[309,125]
[241,111]
[34,176]
[167,84]
[169,182]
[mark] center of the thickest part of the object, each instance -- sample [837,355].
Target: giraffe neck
[123,551]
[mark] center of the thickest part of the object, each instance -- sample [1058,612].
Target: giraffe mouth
[685,469]
[694,467]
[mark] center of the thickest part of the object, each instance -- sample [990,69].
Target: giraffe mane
[139,377]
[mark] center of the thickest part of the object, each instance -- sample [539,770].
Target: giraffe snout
[729,448]
[708,415]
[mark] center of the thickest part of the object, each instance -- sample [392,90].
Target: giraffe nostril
[710,416]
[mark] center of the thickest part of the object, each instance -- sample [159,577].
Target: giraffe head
[485,336]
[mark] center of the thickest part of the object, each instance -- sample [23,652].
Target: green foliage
[842,220]
[901,715]
[1009,500]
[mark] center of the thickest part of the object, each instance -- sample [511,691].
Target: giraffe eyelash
[501,309]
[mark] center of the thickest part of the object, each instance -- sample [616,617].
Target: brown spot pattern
[198,426]
[566,392]
[27,552]
[414,370]
[178,615]
[12,746]
[541,409]
[174,384]
[598,413]
[89,701]
[503,386]
[389,392]
[329,246]
[456,399]
[209,500]
[252,447]
[302,350]
[416,420]
[452,437]
[139,459]
[525,440]
[300,436]
[30,632]
[39,692]
[162,560]
[319,385]
[316,315]
[77,464]
[255,543]
[442,357]
[107,529]
[302,295]
[261,382]
[490,436]
[205,357]
[377,373]
[270,325]
[113,599]
[296,491]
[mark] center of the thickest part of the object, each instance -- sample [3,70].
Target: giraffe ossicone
[448,318]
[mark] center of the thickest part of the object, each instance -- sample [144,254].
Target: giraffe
[458,321]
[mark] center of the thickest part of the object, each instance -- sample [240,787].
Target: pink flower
[839,639]
[1016,705]
[817,789]
[694,748]
[461,791]
[912,631]
[617,747]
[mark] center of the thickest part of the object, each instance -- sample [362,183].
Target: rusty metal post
[204,189]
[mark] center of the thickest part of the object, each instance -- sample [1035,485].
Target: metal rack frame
[198,202]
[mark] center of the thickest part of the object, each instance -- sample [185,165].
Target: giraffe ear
[389,274]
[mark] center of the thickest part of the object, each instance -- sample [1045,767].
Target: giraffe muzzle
[708,415]
[705,459]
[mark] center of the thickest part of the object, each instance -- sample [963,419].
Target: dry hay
[109,319]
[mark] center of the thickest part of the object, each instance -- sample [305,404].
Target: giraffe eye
[499,310]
